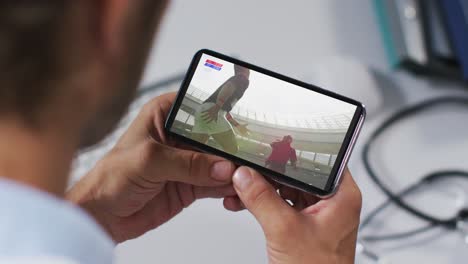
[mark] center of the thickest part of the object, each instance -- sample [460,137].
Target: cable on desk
[424,182]
[451,223]
[398,236]
[370,216]
[403,114]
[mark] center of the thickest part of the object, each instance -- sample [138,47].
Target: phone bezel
[343,154]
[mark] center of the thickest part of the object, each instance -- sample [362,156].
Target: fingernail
[222,171]
[242,178]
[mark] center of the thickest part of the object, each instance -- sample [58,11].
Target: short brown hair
[29,34]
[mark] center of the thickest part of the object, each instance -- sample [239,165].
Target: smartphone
[296,133]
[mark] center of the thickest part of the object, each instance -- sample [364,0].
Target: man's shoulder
[37,260]
[39,224]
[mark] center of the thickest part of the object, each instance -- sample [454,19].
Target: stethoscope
[456,222]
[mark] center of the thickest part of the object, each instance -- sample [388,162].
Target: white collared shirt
[36,227]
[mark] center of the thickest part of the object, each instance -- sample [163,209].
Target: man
[213,118]
[281,153]
[68,71]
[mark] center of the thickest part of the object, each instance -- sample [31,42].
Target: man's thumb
[261,199]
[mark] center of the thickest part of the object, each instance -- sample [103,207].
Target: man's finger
[164,163]
[207,113]
[211,118]
[261,199]
[233,203]
[150,119]
[208,118]
[201,192]
[346,203]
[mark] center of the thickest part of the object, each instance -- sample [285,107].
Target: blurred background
[388,54]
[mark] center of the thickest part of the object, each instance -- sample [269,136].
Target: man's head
[287,139]
[239,70]
[73,64]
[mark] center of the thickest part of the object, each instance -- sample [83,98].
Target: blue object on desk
[455,13]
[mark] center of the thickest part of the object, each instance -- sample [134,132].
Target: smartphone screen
[292,131]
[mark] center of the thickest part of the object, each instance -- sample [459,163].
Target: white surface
[291,37]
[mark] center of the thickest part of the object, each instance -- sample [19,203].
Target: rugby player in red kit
[281,153]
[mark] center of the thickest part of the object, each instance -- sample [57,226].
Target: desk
[288,38]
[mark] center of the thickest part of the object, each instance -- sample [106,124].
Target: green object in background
[406,30]
[384,22]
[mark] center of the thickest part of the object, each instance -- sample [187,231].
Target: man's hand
[309,231]
[243,130]
[211,114]
[145,180]
[294,165]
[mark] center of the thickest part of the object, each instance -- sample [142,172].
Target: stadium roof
[312,121]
